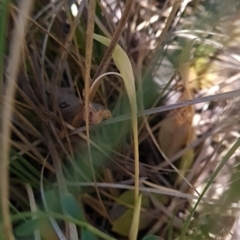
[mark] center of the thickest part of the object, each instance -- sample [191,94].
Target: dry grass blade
[121,25]
[89,45]
[152,189]
[16,45]
[124,65]
[170,19]
[215,97]
[136,217]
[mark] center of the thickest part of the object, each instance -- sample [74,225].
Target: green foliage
[71,207]
[26,228]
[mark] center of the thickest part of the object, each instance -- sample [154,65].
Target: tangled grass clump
[120,119]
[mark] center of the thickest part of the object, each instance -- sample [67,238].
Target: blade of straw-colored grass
[153,189]
[167,26]
[155,59]
[95,84]
[216,172]
[216,97]
[111,46]
[14,60]
[88,60]
[183,5]
[33,207]
[136,217]
[3,26]
[89,46]
[124,66]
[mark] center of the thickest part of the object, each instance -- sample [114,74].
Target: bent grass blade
[124,66]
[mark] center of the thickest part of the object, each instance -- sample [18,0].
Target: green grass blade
[216,172]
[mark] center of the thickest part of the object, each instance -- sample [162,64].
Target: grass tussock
[119,120]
